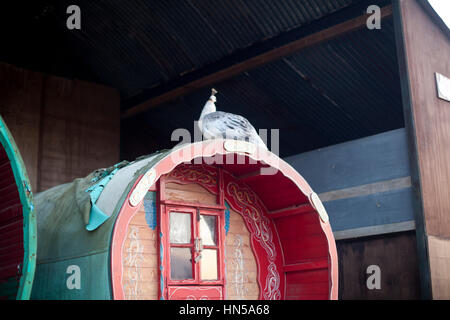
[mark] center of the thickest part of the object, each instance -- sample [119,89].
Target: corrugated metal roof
[336,91]
[135,45]
[330,93]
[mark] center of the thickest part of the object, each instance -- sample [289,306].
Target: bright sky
[442,7]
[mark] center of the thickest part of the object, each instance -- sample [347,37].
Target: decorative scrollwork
[133,261]
[202,175]
[259,226]
[239,273]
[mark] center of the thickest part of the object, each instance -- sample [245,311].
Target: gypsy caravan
[217,219]
[17,222]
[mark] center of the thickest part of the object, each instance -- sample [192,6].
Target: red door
[194,255]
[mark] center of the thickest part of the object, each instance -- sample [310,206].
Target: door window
[180,227]
[195,249]
[181,245]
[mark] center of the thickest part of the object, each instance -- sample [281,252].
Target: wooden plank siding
[366,188]
[20,99]
[193,193]
[376,209]
[305,255]
[394,254]
[241,268]
[424,49]
[439,250]
[64,128]
[80,130]
[140,260]
[372,159]
[364,184]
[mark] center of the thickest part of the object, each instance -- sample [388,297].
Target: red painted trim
[207,149]
[264,238]
[309,265]
[196,293]
[209,178]
[203,175]
[162,188]
[162,227]
[333,260]
[220,247]
[118,240]
[193,204]
[221,200]
[195,233]
[304,208]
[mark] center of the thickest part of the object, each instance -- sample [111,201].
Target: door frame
[164,245]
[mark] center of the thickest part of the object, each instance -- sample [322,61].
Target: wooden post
[424,48]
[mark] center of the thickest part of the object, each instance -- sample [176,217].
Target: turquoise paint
[63,238]
[227,217]
[227,228]
[161,254]
[103,174]
[95,190]
[96,218]
[51,279]
[29,216]
[8,289]
[150,209]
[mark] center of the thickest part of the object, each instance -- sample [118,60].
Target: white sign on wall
[443,86]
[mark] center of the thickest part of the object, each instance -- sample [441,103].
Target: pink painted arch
[290,203]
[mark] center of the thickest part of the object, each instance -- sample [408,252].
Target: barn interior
[117,88]
[154,49]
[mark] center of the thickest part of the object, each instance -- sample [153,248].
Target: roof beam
[324,29]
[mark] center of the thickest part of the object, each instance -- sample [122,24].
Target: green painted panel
[29,216]
[63,212]
[52,279]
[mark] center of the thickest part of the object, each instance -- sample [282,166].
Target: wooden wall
[396,256]
[140,260]
[241,267]
[305,256]
[424,50]
[240,264]
[20,99]
[64,128]
[189,193]
[365,186]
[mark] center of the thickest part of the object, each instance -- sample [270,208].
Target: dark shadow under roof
[336,91]
[333,92]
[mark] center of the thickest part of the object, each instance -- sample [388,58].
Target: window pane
[180,227]
[209,265]
[208,230]
[180,264]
